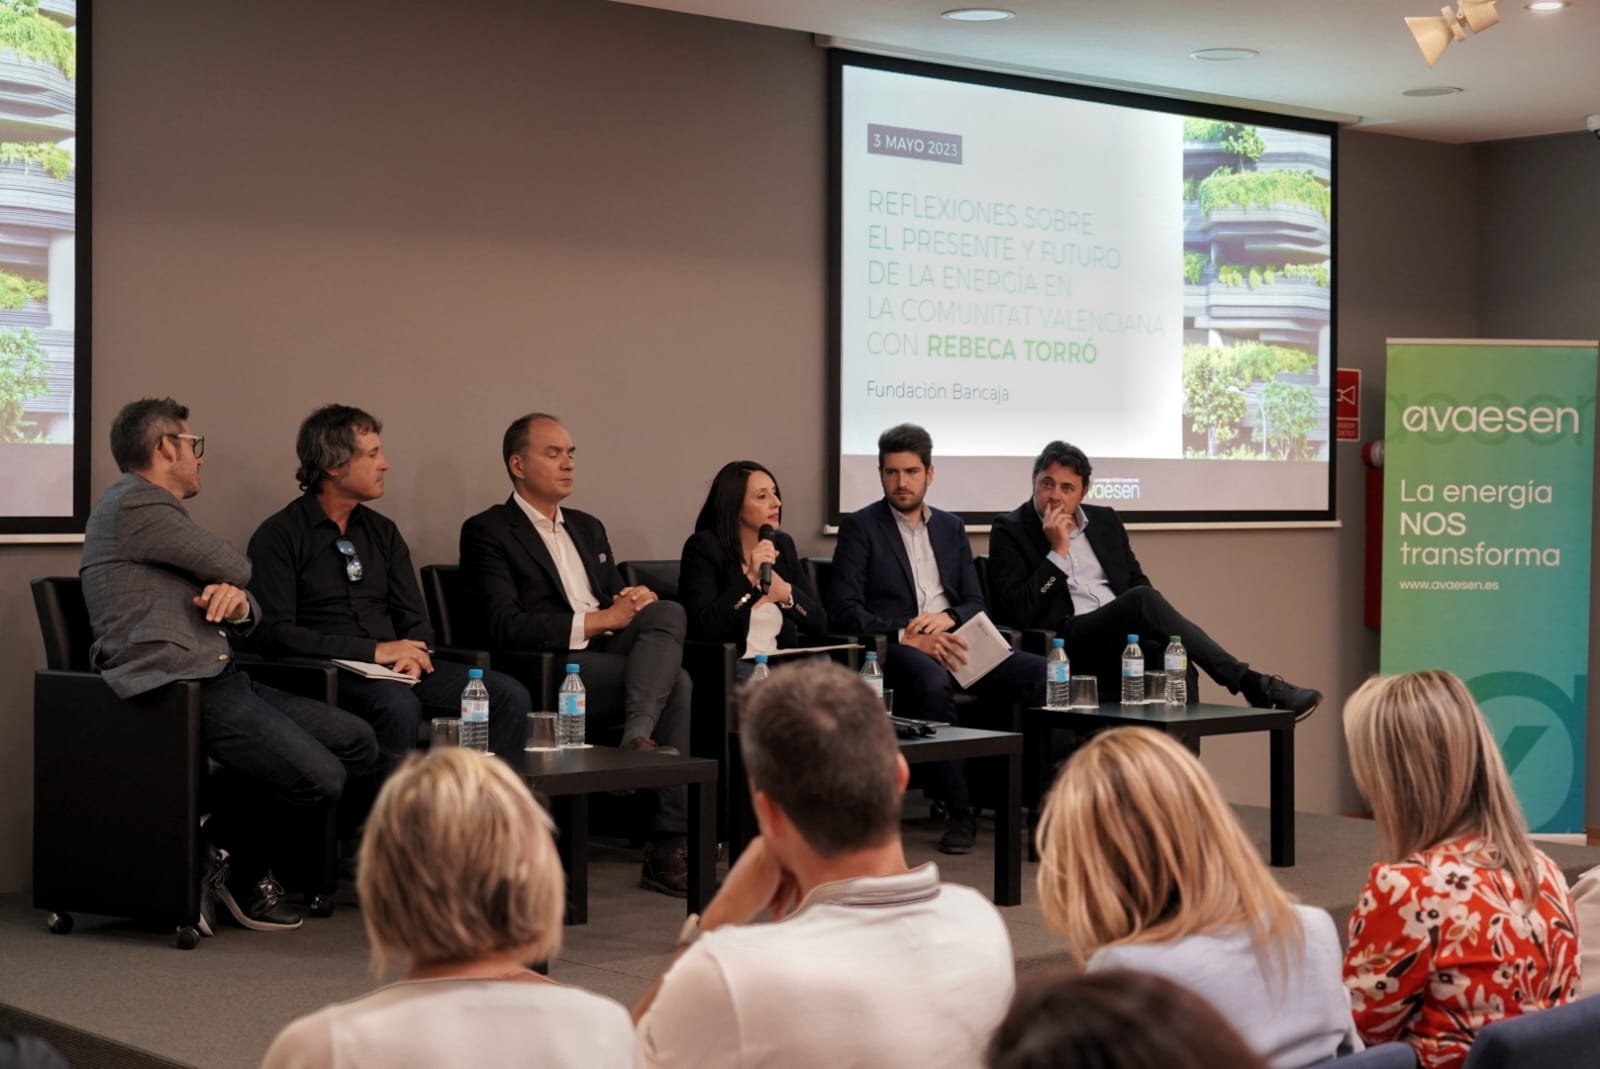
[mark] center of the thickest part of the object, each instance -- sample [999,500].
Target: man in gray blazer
[166,598]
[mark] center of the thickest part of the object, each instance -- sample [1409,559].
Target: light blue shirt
[1086,579]
[1293,1017]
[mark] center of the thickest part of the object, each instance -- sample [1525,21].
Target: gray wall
[608,212]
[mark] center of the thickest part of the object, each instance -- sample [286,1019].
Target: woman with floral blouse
[1466,922]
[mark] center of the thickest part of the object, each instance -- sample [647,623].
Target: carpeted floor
[218,1007]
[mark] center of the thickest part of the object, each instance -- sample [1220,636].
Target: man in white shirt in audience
[869,963]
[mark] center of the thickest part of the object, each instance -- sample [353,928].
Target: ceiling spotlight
[1434,33]
[978,14]
[1544,7]
[1223,54]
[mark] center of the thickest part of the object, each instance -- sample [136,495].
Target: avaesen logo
[1115,489]
[1490,419]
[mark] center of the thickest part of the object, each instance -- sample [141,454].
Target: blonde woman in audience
[460,881]
[1144,866]
[1464,922]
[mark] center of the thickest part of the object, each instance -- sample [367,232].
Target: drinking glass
[1085,692]
[446,731]
[542,732]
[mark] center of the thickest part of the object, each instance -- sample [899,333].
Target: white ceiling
[1347,60]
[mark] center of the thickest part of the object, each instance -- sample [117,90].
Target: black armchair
[711,667]
[819,570]
[972,711]
[714,707]
[452,615]
[1029,640]
[119,784]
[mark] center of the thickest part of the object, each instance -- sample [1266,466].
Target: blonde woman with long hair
[1144,866]
[1464,922]
[460,882]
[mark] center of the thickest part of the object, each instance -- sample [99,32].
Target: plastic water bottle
[1176,661]
[762,671]
[475,713]
[872,672]
[572,707]
[1058,675]
[1132,672]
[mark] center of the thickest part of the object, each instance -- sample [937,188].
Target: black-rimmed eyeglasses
[196,441]
[352,563]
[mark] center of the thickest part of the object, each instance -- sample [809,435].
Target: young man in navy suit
[904,568]
[1057,563]
[545,578]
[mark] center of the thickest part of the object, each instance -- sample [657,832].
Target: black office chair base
[187,936]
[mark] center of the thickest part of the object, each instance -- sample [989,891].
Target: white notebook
[374,671]
[986,647]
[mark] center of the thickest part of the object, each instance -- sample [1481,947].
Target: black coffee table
[568,777]
[1188,724]
[950,744]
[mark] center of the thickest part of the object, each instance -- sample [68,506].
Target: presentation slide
[43,482]
[1018,265]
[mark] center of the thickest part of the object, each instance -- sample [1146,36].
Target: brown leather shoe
[666,866]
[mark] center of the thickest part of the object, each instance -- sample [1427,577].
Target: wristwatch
[690,931]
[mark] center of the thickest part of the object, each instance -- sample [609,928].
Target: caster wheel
[319,905]
[188,937]
[59,923]
[938,811]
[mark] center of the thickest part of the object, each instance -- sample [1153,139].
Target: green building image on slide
[38,255]
[1257,313]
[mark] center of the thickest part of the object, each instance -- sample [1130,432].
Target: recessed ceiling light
[978,14]
[1219,55]
[1544,7]
[1433,91]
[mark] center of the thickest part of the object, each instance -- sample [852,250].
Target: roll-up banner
[1488,480]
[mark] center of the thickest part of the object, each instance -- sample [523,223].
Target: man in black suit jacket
[1057,563]
[546,579]
[904,568]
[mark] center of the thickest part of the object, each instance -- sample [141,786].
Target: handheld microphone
[765,535]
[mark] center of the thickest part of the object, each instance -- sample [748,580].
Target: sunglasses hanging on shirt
[352,563]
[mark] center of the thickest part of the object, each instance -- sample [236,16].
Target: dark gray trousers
[635,678]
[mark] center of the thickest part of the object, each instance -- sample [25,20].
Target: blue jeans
[288,757]
[395,709]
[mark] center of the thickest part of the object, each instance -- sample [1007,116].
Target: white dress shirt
[569,566]
[924,565]
[1086,577]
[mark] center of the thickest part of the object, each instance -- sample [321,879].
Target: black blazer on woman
[718,596]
